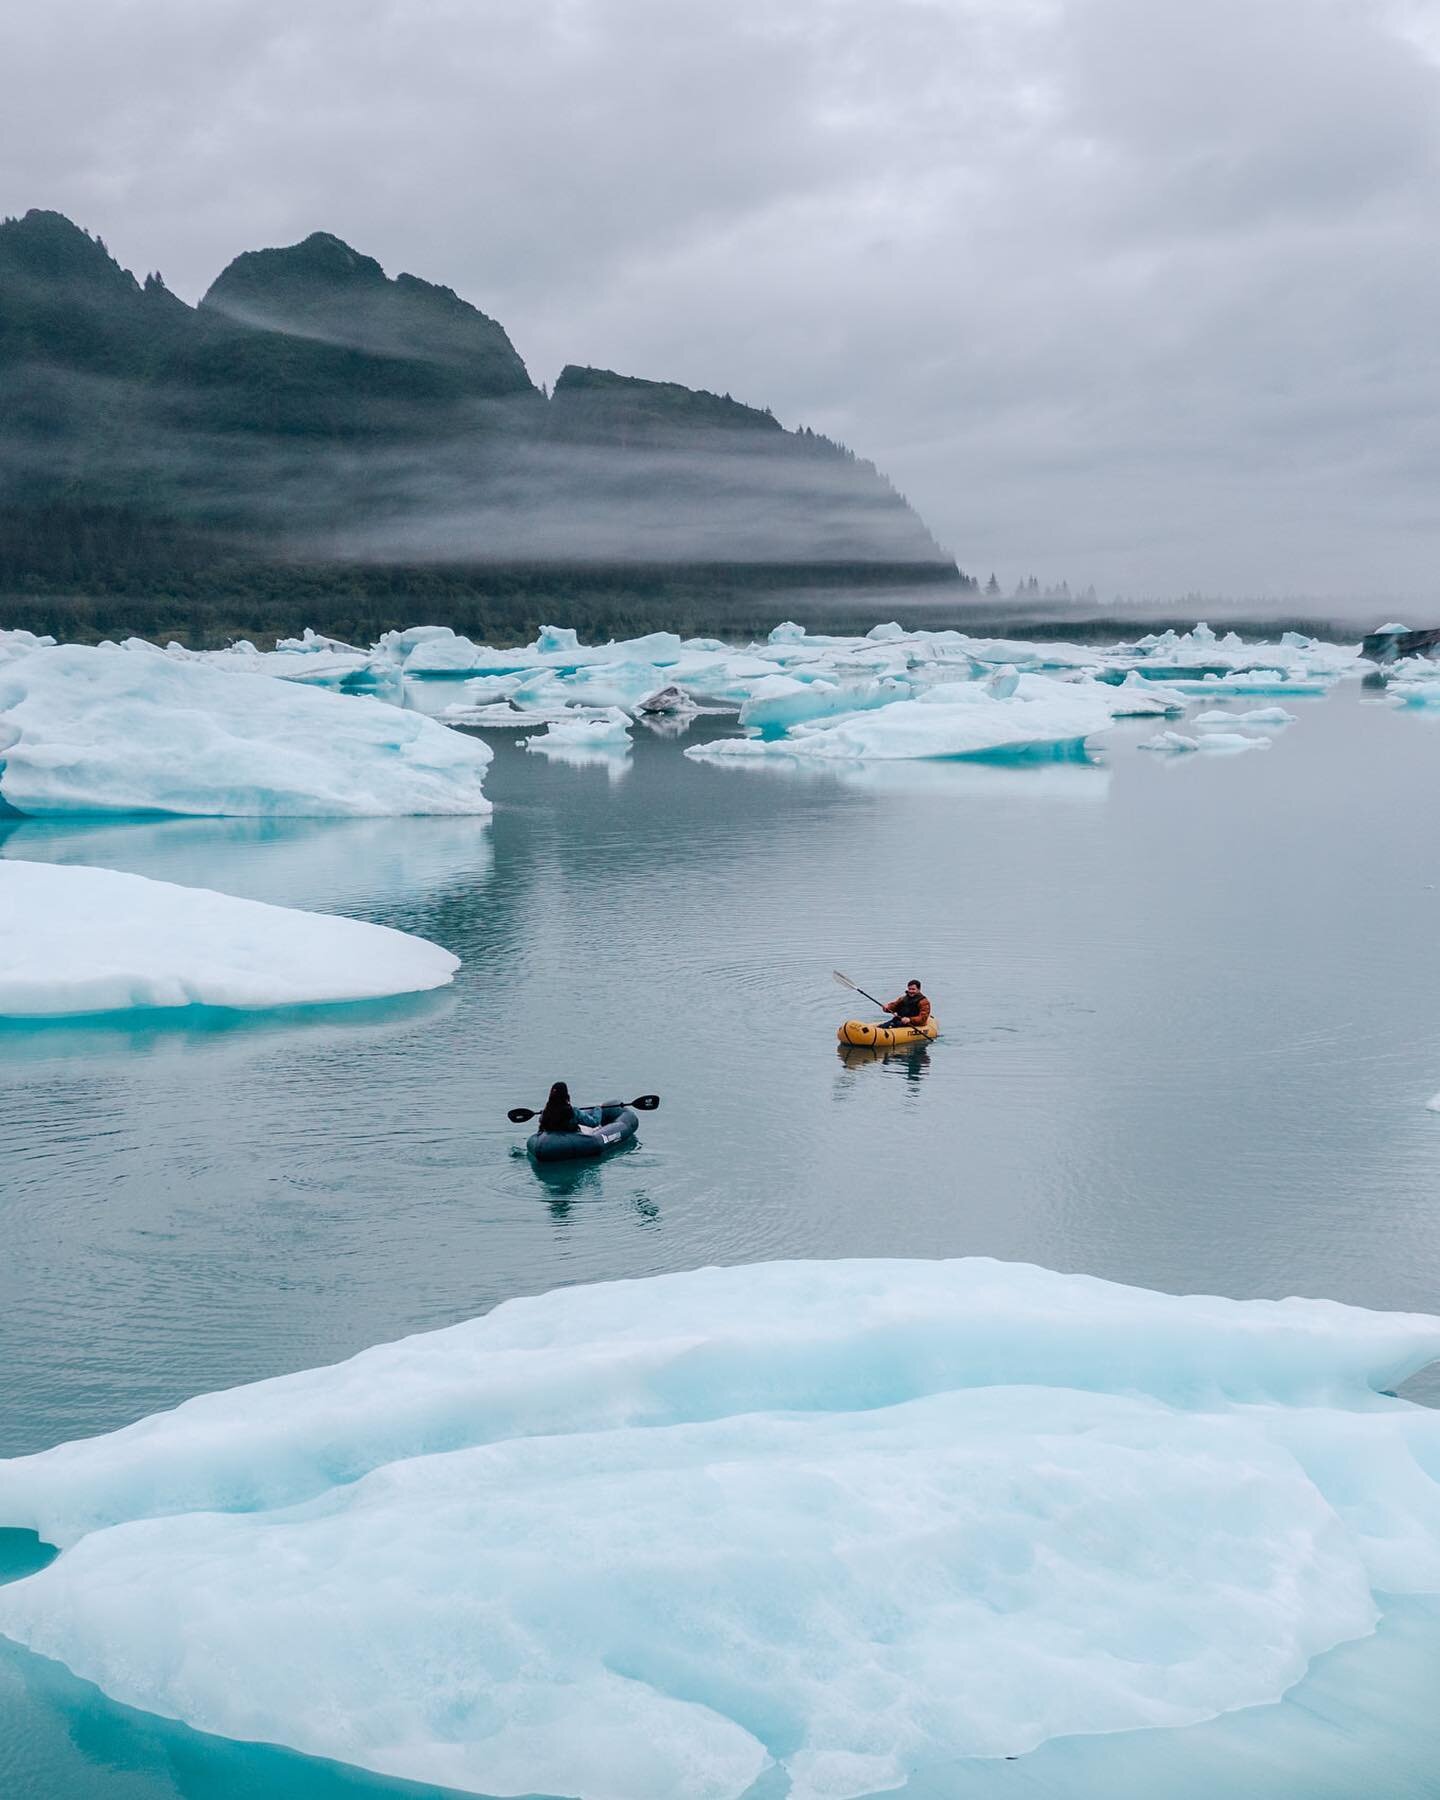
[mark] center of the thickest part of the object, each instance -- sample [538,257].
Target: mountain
[322,289]
[315,417]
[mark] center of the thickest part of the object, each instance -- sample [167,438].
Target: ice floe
[1260,715]
[1137,698]
[607,731]
[1424,692]
[1219,743]
[797,689]
[113,730]
[953,719]
[1257,681]
[83,940]
[648,1539]
[777,703]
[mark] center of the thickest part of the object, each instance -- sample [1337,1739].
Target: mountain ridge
[312,410]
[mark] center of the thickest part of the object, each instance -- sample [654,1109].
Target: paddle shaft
[845,981]
[520,1115]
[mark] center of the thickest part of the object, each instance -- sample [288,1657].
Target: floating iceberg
[779,702]
[317,663]
[1137,698]
[608,731]
[1260,715]
[791,678]
[647,1539]
[1423,693]
[80,940]
[668,702]
[20,643]
[952,719]
[1220,742]
[1258,681]
[109,730]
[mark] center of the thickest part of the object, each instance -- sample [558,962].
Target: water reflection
[616,763]
[936,778]
[913,1062]
[667,725]
[325,863]
[583,1178]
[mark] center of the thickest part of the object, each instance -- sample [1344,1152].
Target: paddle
[845,981]
[518,1115]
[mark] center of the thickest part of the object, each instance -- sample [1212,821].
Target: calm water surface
[1191,1016]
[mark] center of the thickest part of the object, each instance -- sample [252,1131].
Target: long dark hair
[558,1114]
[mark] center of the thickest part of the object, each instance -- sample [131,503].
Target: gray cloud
[1137,292]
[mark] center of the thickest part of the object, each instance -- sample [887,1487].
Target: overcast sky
[1138,292]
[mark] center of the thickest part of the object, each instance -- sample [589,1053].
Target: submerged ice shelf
[643,1540]
[77,940]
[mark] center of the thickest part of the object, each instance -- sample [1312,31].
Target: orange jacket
[920,1018]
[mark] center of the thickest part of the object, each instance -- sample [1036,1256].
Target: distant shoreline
[215,603]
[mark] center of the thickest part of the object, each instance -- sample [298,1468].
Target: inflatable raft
[866,1036]
[612,1125]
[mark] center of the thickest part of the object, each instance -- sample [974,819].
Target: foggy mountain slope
[322,288]
[313,413]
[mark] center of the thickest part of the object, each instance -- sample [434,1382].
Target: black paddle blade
[518,1115]
[646,1102]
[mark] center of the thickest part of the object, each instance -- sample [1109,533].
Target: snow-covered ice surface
[1259,715]
[953,719]
[1258,681]
[133,730]
[1137,698]
[80,940]
[797,693]
[1417,691]
[608,730]
[645,1540]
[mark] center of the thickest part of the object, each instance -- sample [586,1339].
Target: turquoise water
[1190,1024]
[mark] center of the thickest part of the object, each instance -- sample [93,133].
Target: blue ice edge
[950,1307]
[145,1020]
[1361,1721]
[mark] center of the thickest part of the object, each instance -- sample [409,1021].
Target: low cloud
[1127,291]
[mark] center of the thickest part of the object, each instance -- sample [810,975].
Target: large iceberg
[779,702]
[132,730]
[81,940]
[793,679]
[646,1540]
[951,719]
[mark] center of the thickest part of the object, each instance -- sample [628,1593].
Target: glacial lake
[1191,1019]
